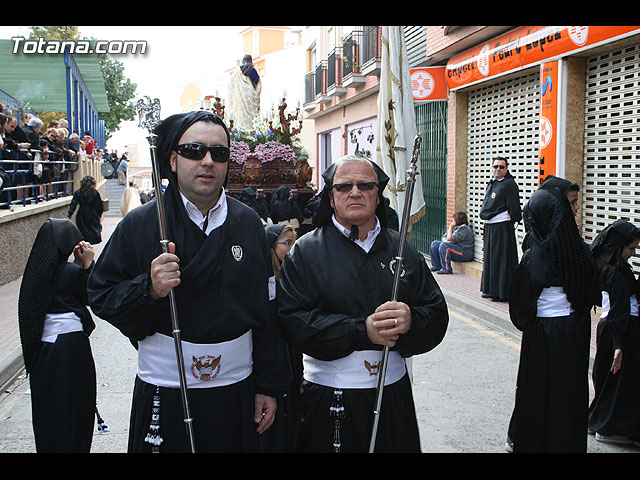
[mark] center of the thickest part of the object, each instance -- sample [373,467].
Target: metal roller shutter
[611,188]
[503,119]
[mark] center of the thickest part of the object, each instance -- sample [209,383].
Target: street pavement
[463,389]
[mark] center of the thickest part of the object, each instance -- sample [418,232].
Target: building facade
[553,100]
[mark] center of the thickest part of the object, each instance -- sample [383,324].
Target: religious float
[270,156]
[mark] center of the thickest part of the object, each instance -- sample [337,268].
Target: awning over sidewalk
[40,78]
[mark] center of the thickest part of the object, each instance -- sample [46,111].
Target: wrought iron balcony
[345,66]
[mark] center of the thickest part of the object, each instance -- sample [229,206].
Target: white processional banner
[397,123]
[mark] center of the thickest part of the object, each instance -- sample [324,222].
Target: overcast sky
[175,57]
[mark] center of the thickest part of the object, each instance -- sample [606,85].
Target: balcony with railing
[345,66]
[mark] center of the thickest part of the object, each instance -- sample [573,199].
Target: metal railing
[36,176]
[351,53]
[370,44]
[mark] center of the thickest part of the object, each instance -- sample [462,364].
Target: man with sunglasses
[219,268]
[334,307]
[501,212]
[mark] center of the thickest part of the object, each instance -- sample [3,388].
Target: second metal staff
[406,213]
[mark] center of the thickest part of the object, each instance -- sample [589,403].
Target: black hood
[169,132]
[617,235]
[325,211]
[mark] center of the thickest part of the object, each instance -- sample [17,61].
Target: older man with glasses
[334,307]
[501,212]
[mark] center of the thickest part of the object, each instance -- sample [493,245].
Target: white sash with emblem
[356,370]
[207,365]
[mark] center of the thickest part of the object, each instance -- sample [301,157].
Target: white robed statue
[244,95]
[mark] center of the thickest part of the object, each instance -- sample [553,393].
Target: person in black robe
[249,197]
[219,268]
[90,209]
[501,212]
[284,208]
[281,436]
[614,414]
[334,307]
[55,325]
[550,301]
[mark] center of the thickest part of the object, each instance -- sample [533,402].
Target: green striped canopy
[40,78]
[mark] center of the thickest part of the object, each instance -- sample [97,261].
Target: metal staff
[406,213]
[149,115]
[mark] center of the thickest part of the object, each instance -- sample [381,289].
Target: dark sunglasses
[197,151]
[499,167]
[362,186]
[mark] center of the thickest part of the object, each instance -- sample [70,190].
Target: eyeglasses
[197,151]
[288,243]
[346,187]
[501,167]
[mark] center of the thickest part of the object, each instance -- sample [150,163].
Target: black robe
[500,249]
[220,298]
[328,286]
[615,408]
[62,373]
[552,393]
[63,378]
[89,214]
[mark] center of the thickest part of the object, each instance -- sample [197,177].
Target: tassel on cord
[153,436]
[337,413]
[102,427]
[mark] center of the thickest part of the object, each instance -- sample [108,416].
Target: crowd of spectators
[34,154]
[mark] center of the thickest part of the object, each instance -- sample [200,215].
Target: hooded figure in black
[249,196]
[614,415]
[551,298]
[283,207]
[55,325]
[334,284]
[233,353]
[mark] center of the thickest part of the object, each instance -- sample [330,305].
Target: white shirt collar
[371,235]
[216,215]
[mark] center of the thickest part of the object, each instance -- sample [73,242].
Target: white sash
[553,302]
[207,365]
[59,323]
[357,370]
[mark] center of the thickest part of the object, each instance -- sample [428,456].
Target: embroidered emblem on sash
[206,368]
[373,368]
[493,194]
[236,251]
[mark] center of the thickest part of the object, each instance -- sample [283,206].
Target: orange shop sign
[428,83]
[525,47]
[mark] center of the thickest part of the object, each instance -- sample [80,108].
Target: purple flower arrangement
[272,150]
[239,151]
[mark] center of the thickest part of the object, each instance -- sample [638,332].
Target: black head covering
[610,240]
[283,207]
[325,211]
[550,223]
[273,232]
[171,129]
[53,244]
